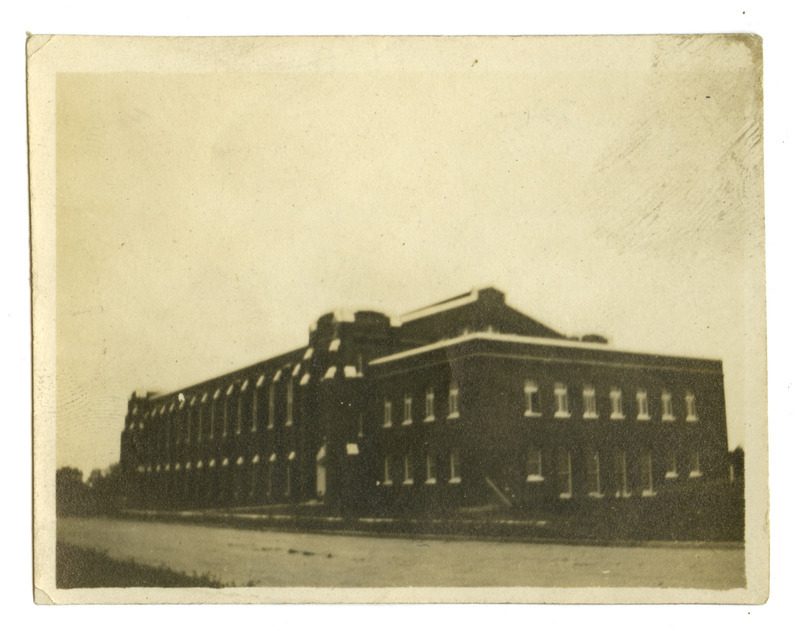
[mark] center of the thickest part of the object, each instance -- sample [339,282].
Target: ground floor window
[564,474]
[455,467]
[647,474]
[593,484]
[533,465]
[621,488]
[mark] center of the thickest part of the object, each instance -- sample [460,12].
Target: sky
[205,219]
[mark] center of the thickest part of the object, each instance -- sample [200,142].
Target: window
[641,401]
[225,416]
[199,423]
[430,469]
[616,404]
[593,484]
[408,474]
[239,405]
[564,474]
[189,415]
[360,425]
[289,402]
[254,415]
[694,469]
[533,465]
[407,401]
[691,410]
[532,398]
[562,402]
[429,405]
[589,402]
[271,406]
[455,467]
[672,466]
[646,481]
[387,471]
[666,406]
[621,475]
[387,413]
[453,401]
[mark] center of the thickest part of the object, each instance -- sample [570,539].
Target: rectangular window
[691,410]
[225,416]
[407,401]
[239,405]
[289,478]
[666,406]
[672,466]
[430,469]
[593,484]
[408,474]
[564,474]
[533,465]
[453,401]
[694,469]
[532,398]
[562,401]
[387,471]
[589,402]
[189,415]
[647,474]
[211,427]
[643,409]
[199,423]
[455,467]
[271,406]
[360,425]
[616,404]
[289,402]
[429,403]
[254,419]
[387,413]
[621,475]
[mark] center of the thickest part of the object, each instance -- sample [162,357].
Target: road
[288,559]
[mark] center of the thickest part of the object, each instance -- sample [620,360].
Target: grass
[84,568]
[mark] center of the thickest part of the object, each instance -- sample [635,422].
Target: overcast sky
[205,219]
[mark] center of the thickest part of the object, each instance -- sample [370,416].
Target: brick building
[464,403]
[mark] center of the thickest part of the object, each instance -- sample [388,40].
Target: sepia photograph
[399,319]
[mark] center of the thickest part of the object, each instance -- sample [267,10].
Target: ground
[281,559]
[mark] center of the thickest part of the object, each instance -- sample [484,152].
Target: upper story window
[666,406]
[616,404]
[271,406]
[643,413]
[589,402]
[254,415]
[691,410]
[387,413]
[562,400]
[453,401]
[407,404]
[290,402]
[533,465]
[532,398]
[430,399]
[239,410]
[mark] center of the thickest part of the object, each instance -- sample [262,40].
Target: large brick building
[464,403]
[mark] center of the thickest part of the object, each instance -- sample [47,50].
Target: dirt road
[282,559]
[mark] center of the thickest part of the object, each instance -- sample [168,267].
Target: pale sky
[204,220]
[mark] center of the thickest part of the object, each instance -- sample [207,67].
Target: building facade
[462,404]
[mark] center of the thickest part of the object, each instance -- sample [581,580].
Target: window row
[264,477]
[430,407]
[222,415]
[596,474]
[562,407]
[434,468]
